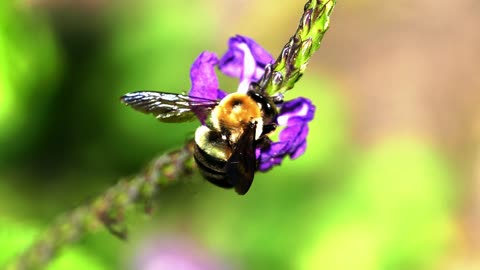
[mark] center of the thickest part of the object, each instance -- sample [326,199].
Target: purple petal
[174,253]
[244,59]
[296,111]
[278,148]
[221,94]
[294,134]
[299,150]
[268,163]
[272,155]
[258,152]
[294,116]
[203,77]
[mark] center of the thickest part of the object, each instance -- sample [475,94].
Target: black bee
[225,146]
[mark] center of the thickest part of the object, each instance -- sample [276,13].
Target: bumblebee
[225,146]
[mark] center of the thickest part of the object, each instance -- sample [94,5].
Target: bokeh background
[390,179]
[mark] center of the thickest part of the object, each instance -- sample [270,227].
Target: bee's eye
[266,104]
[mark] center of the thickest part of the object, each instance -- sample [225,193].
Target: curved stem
[107,209]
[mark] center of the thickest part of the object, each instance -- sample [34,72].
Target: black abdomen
[212,168]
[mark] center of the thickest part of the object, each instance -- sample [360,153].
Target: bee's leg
[269,128]
[263,142]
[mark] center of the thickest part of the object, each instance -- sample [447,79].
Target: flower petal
[203,77]
[267,164]
[172,252]
[299,110]
[245,59]
[299,150]
[297,136]
[221,94]
[294,116]
[272,155]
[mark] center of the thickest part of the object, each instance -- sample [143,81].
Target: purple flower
[246,60]
[203,77]
[294,117]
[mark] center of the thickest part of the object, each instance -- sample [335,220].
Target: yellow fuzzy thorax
[234,112]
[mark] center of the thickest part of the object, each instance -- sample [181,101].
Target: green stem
[292,61]
[107,209]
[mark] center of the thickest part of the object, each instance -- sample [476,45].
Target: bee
[225,147]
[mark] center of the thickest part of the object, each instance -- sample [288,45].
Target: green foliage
[15,237]
[394,213]
[29,65]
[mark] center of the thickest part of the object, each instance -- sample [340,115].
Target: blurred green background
[390,179]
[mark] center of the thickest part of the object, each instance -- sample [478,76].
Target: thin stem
[108,209]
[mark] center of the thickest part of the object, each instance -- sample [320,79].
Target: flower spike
[282,75]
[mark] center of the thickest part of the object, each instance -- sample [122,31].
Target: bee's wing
[168,107]
[241,165]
